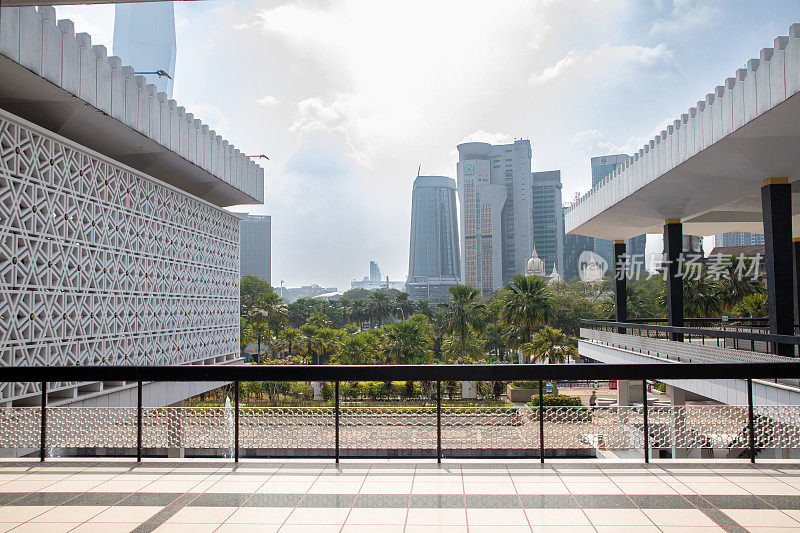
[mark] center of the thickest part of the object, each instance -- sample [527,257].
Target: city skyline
[346,126]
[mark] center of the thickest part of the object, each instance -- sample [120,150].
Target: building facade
[374,271]
[115,248]
[738,239]
[495,194]
[144,37]
[548,222]
[256,246]
[434,262]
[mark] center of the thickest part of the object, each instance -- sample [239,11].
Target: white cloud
[488,137]
[593,142]
[268,101]
[605,58]
[686,15]
[215,117]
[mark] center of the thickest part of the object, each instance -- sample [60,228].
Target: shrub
[524,384]
[556,400]
[302,391]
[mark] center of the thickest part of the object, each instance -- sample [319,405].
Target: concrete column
[678,399]
[469,390]
[776,208]
[629,392]
[673,247]
[796,250]
[620,284]
[317,390]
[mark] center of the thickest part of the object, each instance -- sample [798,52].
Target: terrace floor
[383,495]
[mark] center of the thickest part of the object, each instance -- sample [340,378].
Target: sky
[348,98]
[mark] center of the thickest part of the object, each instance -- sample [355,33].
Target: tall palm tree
[355,350]
[380,306]
[328,342]
[403,304]
[245,334]
[407,343]
[525,306]
[289,338]
[735,285]
[308,340]
[274,311]
[461,312]
[550,345]
[359,312]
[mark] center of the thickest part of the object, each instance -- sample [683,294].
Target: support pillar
[673,247]
[776,208]
[678,430]
[796,250]
[620,284]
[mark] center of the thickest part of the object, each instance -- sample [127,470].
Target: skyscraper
[374,271]
[144,38]
[256,253]
[738,239]
[494,189]
[548,222]
[574,246]
[602,167]
[434,261]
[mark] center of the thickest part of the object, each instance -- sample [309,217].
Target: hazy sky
[348,98]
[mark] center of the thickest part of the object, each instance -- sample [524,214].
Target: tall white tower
[144,38]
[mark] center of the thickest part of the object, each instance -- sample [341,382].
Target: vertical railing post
[541,422]
[236,422]
[43,435]
[750,423]
[438,421]
[336,416]
[646,426]
[139,422]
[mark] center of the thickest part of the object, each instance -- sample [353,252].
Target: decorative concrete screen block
[9,32]
[51,45]
[30,39]
[143,120]
[105,265]
[763,81]
[70,58]
[777,75]
[792,59]
[88,68]
[103,78]
[117,88]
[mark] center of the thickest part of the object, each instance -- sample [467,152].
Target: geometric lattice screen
[102,265]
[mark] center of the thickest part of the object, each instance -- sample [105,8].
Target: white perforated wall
[103,265]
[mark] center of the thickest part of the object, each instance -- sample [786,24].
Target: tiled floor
[367,496]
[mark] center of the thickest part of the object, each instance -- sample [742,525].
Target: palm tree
[245,334]
[288,338]
[327,342]
[752,306]
[272,308]
[404,305]
[735,285]
[308,340]
[355,351]
[461,312]
[407,343]
[494,339]
[525,305]
[550,345]
[380,306]
[359,312]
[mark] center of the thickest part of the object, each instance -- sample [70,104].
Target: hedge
[556,400]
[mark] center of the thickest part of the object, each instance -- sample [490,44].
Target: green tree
[245,334]
[251,289]
[380,306]
[735,284]
[494,339]
[288,339]
[407,343]
[752,306]
[309,341]
[271,307]
[328,343]
[359,312]
[404,307]
[525,306]
[355,350]
[549,345]
[459,350]
[461,312]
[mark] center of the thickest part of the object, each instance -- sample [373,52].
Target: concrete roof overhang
[739,136]
[34,98]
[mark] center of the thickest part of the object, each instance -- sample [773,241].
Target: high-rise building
[574,246]
[495,193]
[256,238]
[738,239]
[548,220]
[144,38]
[374,271]
[434,262]
[602,167]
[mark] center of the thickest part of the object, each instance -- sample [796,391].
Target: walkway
[368,496]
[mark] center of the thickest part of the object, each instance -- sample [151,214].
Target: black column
[776,208]
[620,284]
[673,246]
[796,249]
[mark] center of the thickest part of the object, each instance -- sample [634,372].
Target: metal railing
[438,373]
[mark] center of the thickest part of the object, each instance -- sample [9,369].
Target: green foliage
[251,289]
[461,314]
[525,306]
[549,345]
[520,384]
[752,306]
[556,400]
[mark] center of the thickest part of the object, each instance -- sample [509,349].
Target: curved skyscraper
[144,38]
[434,262]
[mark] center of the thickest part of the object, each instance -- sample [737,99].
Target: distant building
[574,246]
[144,37]
[548,222]
[434,262]
[494,189]
[374,271]
[738,239]
[291,294]
[256,255]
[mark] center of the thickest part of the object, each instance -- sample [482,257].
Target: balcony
[350,468]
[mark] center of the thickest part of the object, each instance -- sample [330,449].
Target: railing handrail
[717,333]
[701,320]
[344,373]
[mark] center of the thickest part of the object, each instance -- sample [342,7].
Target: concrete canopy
[707,168]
